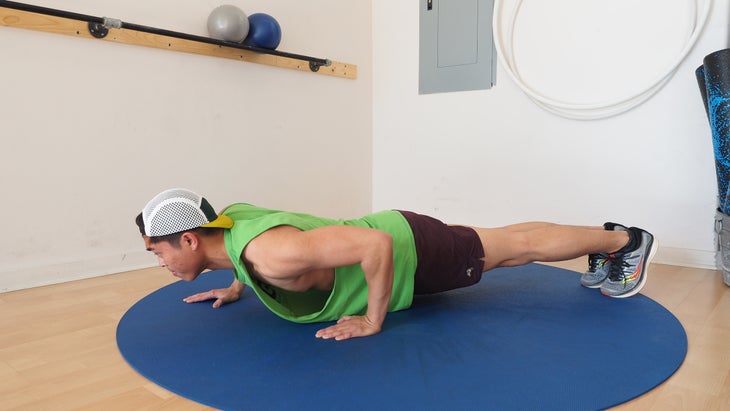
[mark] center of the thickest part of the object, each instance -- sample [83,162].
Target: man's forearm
[379,276]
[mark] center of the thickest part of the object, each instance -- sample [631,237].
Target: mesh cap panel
[173,211]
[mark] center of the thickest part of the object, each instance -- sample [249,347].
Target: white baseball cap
[177,210]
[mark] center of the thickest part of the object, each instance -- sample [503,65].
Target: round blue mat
[523,338]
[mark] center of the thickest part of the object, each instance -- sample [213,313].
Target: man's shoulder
[245,211]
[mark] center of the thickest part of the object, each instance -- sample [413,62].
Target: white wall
[493,157]
[92,130]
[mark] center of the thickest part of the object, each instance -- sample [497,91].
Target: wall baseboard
[38,276]
[685,257]
[30,277]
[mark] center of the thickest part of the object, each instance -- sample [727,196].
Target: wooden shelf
[13,17]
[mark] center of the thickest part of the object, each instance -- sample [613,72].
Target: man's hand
[220,295]
[350,327]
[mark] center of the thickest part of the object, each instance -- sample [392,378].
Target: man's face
[182,261]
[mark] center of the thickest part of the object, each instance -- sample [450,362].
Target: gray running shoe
[628,271]
[598,264]
[597,271]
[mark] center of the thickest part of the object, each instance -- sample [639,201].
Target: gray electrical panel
[456,46]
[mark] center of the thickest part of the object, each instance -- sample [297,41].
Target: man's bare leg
[533,225]
[537,241]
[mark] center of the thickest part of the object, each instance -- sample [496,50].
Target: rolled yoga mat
[523,338]
[713,78]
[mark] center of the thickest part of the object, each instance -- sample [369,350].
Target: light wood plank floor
[58,348]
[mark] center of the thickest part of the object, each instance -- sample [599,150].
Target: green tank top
[349,293]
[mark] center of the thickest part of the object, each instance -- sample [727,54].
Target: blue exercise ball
[228,23]
[264,31]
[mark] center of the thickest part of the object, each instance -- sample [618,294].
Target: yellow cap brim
[223,221]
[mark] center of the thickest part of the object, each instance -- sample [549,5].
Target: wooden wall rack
[27,16]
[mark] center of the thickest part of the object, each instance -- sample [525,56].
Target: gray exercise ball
[228,23]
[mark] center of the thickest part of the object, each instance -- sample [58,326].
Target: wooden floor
[58,349]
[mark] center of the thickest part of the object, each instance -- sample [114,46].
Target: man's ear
[147,243]
[190,240]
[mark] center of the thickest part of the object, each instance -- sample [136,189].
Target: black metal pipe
[208,40]
[50,12]
[314,62]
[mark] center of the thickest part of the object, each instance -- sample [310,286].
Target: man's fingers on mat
[348,327]
[196,298]
[329,332]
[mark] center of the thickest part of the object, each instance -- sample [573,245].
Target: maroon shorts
[449,257]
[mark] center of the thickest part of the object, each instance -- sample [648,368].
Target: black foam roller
[717,103]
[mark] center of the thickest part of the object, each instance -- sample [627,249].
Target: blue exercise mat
[523,338]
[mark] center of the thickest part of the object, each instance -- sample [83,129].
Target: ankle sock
[609,226]
[631,245]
